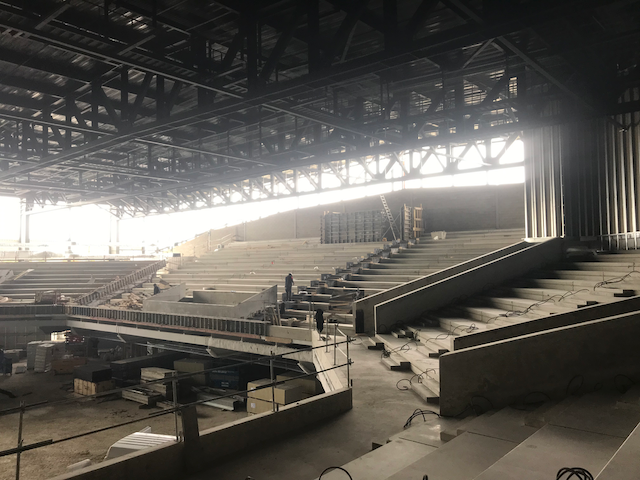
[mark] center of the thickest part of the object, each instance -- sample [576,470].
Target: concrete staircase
[564,287]
[598,431]
[71,279]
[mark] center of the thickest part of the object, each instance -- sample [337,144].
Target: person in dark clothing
[156,289]
[319,320]
[288,285]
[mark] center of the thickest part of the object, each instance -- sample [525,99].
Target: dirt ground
[58,421]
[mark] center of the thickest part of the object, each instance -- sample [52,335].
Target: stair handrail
[117,285]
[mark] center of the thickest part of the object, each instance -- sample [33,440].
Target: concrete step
[586,433]
[383,462]
[624,463]
[396,365]
[463,458]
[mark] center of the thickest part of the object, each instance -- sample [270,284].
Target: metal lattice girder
[153,109]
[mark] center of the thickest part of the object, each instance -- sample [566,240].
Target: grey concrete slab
[507,424]
[383,462]
[550,449]
[625,464]
[597,413]
[463,458]
[428,432]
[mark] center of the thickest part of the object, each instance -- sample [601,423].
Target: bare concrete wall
[220,298]
[168,462]
[163,462]
[453,209]
[240,436]
[552,363]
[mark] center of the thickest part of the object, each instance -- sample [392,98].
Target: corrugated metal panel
[582,179]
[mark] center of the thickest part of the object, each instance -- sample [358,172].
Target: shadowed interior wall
[581,177]
[468,208]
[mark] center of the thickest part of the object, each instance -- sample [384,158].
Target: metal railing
[620,241]
[175,408]
[30,309]
[213,324]
[118,285]
[216,324]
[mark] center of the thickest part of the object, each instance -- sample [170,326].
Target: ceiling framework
[158,106]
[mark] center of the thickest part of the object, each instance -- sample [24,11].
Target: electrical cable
[417,413]
[615,279]
[574,472]
[328,469]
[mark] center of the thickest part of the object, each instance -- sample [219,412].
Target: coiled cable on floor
[574,472]
[417,413]
[328,469]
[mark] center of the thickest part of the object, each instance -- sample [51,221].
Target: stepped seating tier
[72,279]
[560,288]
[592,432]
[254,266]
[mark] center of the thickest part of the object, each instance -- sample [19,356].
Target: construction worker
[319,321]
[288,285]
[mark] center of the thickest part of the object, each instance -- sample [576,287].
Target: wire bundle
[417,413]
[615,279]
[574,472]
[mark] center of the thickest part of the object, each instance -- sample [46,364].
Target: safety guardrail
[117,285]
[15,310]
[227,325]
[620,241]
[214,324]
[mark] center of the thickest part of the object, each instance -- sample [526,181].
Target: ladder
[389,216]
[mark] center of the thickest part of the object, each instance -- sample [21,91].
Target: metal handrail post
[348,363]
[273,386]
[19,441]
[335,334]
[174,385]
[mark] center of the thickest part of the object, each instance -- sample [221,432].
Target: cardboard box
[255,406]
[284,394]
[83,387]
[310,385]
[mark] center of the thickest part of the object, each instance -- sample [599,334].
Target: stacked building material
[142,395]
[66,364]
[194,365]
[260,396]
[310,385]
[127,372]
[92,379]
[82,387]
[93,372]
[31,352]
[152,374]
[45,354]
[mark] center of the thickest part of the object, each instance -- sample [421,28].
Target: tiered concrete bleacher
[255,266]
[70,278]
[598,432]
[565,287]
[426,257]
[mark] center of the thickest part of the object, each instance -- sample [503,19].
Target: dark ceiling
[156,106]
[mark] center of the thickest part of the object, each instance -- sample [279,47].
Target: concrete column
[24,224]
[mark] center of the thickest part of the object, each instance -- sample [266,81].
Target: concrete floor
[379,411]
[58,421]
